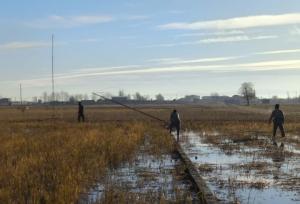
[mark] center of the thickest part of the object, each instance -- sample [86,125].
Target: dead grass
[55,162]
[46,161]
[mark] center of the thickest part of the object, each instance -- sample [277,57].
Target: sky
[173,47]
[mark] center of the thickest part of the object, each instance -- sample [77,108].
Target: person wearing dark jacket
[175,122]
[80,112]
[278,120]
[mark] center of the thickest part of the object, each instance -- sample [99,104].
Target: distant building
[235,99]
[88,102]
[120,98]
[190,99]
[265,101]
[5,102]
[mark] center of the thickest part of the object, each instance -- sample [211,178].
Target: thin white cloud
[288,51]
[238,38]
[220,33]
[123,71]
[237,22]
[165,61]
[24,45]
[28,45]
[70,21]
[170,44]
[271,65]
[226,39]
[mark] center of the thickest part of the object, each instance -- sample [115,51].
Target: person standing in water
[175,122]
[80,112]
[278,120]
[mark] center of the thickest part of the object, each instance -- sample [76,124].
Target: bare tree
[247,91]
[214,94]
[137,96]
[160,97]
[45,97]
[121,93]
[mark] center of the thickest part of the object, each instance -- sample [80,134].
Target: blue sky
[172,47]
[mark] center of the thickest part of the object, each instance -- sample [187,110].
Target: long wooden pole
[131,108]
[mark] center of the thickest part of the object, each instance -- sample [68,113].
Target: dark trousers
[175,125]
[276,126]
[80,117]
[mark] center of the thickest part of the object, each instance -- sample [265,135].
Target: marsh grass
[44,162]
[55,161]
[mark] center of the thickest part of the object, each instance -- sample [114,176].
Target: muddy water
[263,174]
[148,178]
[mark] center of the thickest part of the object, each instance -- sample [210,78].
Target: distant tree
[137,96]
[214,94]
[72,99]
[159,97]
[247,91]
[79,97]
[121,93]
[64,96]
[58,96]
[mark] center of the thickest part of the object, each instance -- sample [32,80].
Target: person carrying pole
[175,122]
[80,112]
[278,120]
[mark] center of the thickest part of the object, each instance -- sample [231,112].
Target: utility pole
[21,99]
[52,69]
[52,66]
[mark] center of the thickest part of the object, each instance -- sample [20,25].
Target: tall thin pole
[53,94]
[52,68]
[21,98]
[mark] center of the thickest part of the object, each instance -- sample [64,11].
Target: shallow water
[232,176]
[146,174]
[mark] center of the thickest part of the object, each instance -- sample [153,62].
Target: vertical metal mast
[21,99]
[52,66]
[53,94]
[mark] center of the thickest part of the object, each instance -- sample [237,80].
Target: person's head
[174,111]
[277,106]
[79,103]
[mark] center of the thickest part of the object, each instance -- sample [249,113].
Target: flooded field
[147,178]
[108,159]
[241,172]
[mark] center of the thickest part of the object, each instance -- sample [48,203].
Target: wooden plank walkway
[205,194]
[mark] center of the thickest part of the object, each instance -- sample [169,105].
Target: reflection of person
[80,112]
[175,122]
[278,120]
[278,156]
